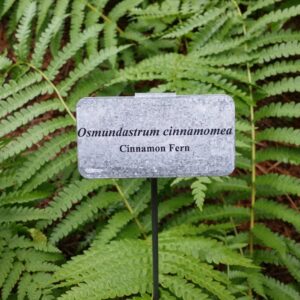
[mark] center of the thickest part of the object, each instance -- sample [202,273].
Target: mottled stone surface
[193,152]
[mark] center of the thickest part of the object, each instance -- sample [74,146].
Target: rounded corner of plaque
[230,170]
[229,99]
[81,101]
[83,173]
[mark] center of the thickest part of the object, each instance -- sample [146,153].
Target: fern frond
[203,275]
[12,279]
[87,66]
[24,30]
[269,239]
[32,136]
[50,169]
[5,62]
[44,40]
[43,10]
[272,210]
[201,37]
[83,213]
[6,263]
[92,82]
[278,290]
[283,86]
[198,190]
[15,214]
[278,51]
[213,213]
[23,116]
[278,67]
[21,98]
[23,285]
[77,18]
[282,135]
[70,49]
[281,154]
[274,17]
[198,20]
[205,249]
[36,160]
[14,86]
[181,288]
[17,197]
[6,5]
[110,28]
[115,224]
[274,184]
[167,8]
[71,194]
[253,7]
[291,110]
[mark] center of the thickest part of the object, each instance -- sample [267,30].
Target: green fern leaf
[87,66]
[282,135]
[33,135]
[281,154]
[291,110]
[83,213]
[270,38]
[44,40]
[278,290]
[15,214]
[255,6]
[43,10]
[278,51]
[278,67]
[24,30]
[282,86]
[198,190]
[36,160]
[5,62]
[18,100]
[23,116]
[51,169]
[12,279]
[6,263]
[274,17]
[70,49]
[14,86]
[272,210]
[71,194]
[6,5]
[181,288]
[274,184]
[77,18]
[269,238]
[114,226]
[198,20]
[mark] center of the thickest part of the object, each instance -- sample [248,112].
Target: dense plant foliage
[64,237]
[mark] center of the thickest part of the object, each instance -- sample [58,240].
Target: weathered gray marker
[155,135]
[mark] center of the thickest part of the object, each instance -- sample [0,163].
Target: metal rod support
[154,204]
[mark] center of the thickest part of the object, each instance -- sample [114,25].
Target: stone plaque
[156,135]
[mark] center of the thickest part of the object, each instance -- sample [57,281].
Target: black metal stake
[154,237]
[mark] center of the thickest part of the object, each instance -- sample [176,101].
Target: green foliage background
[65,237]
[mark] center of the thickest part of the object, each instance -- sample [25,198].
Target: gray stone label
[156,135]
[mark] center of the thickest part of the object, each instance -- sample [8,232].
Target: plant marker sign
[156,135]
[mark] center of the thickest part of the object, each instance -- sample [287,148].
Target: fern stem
[128,206]
[54,88]
[253,140]
[104,17]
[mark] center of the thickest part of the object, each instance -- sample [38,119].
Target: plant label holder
[152,135]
